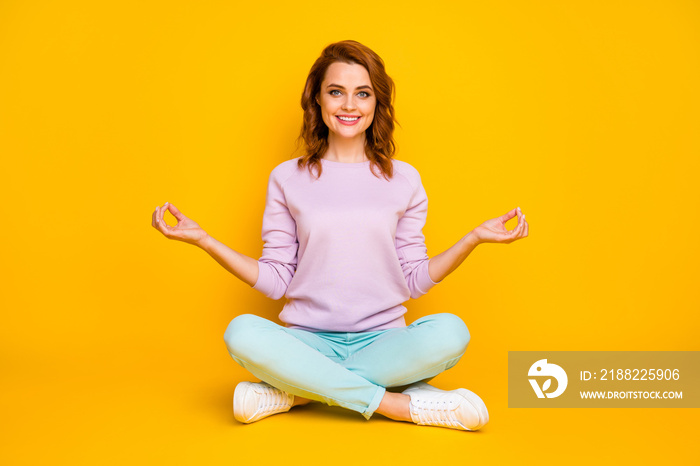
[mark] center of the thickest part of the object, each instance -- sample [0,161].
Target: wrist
[471,240]
[204,242]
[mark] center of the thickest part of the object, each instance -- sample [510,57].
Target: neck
[346,150]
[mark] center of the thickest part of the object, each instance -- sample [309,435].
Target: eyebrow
[359,87]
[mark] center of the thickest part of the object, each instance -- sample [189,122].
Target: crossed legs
[351,370]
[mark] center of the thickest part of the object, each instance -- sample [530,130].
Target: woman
[343,243]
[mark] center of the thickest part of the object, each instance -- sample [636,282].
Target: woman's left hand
[494,230]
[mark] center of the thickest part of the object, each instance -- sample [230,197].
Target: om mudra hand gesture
[186,229]
[494,230]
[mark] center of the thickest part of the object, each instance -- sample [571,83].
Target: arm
[447,261]
[189,231]
[491,231]
[243,267]
[279,232]
[273,272]
[410,241]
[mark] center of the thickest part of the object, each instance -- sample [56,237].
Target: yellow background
[583,113]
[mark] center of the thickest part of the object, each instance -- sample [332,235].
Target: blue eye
[366,94]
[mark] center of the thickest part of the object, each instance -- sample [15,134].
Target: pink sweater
[346,250]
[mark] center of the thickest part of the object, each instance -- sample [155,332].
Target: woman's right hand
[186,229]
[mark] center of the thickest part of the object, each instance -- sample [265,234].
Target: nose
[349,103]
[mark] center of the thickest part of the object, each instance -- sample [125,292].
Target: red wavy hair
[379,137]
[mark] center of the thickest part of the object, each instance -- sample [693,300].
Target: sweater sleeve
[410,243]
[279,257]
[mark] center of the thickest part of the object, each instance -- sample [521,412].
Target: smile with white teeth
[348,119]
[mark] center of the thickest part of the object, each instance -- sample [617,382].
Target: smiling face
[347,100]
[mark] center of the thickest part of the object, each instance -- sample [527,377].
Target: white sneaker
[254,401]
[456,409]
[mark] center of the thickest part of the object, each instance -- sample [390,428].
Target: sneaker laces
[435,412]
[273,399]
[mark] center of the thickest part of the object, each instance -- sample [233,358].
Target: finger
[175,211]
[153,219]
[521,227]
[520,217]
[523,231]
[517,225]
[507,216]
[515,233]
[527,230]
[161,223]
[162,211]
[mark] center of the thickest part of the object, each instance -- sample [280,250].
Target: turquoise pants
[351,370]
